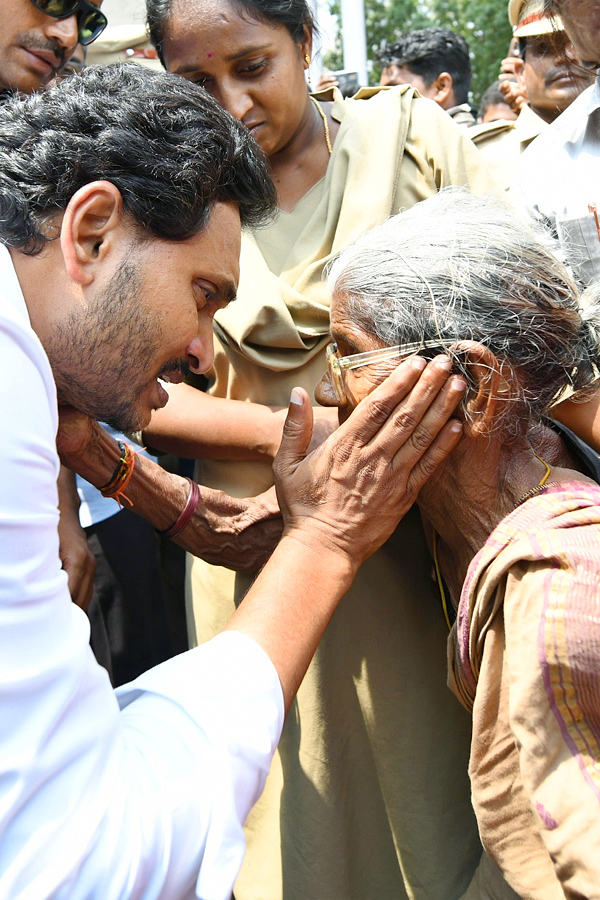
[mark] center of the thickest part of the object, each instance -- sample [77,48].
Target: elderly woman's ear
[489,388]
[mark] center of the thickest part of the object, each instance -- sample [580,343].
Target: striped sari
[524,657]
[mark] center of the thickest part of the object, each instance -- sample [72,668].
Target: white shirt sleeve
[147,802]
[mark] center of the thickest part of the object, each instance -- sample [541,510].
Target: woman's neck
[483,481]
[299,165]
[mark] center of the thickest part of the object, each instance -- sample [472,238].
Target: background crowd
[381,783]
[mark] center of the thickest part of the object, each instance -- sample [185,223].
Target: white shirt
[141,794]
[558,177]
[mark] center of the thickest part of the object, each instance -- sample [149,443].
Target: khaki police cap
[529,18]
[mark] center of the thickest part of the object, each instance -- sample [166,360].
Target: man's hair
[430,51]
[492,96]
[168,147]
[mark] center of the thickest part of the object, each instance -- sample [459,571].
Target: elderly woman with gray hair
[513,518]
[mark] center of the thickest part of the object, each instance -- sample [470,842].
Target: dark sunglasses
[91,22]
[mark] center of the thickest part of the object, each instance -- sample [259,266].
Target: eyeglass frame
[336,365]
[77,7]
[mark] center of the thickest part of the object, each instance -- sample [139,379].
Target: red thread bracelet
[186,513]
[121,477]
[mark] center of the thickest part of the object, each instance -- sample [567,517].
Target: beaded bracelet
[114,489]
[186,513]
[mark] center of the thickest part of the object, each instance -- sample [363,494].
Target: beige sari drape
[525,658]
[368,798]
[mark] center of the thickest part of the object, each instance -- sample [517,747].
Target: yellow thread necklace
[325,125]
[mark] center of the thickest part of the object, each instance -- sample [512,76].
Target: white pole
[321,16]
[354,38]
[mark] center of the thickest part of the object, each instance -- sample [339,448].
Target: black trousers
[128,615]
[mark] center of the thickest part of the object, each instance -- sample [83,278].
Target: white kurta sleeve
[147,801]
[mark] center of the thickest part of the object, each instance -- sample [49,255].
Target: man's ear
[444,86]
[488,386]
[88,230]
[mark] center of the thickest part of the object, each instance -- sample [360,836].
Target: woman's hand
[349,495]
[325,422]
[341,503]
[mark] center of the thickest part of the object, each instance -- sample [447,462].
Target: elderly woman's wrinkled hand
[77,433]
[349,495]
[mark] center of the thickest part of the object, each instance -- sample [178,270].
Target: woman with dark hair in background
[368,797]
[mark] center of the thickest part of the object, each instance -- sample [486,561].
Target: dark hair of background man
[430,51]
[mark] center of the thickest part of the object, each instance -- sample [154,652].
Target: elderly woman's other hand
[77,435]
[349,495]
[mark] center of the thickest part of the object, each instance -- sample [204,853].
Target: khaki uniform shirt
[462,115]
[501,143]
[368,797]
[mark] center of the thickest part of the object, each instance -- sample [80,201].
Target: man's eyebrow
[228,291]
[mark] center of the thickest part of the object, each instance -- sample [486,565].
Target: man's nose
[64,31]
[200,352]
[570,52]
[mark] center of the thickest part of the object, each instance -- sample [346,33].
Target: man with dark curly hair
[37,40]
[435,61]
[122,193]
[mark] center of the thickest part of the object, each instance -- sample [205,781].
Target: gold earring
[307,61]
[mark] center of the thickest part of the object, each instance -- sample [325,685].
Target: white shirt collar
[11,289]
[572,124]
[592,95]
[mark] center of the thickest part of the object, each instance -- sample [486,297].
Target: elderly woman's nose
[325,394]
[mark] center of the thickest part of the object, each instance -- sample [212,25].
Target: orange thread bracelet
[114,489]
[186,513]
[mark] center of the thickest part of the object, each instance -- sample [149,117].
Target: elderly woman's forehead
[338,309]
[338,302]
[349,333]
[340,313]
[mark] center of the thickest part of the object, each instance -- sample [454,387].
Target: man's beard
[99,355]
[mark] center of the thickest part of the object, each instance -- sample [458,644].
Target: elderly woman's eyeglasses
[337,365]
[91,21]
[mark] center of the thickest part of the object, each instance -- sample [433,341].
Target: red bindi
[209,55]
